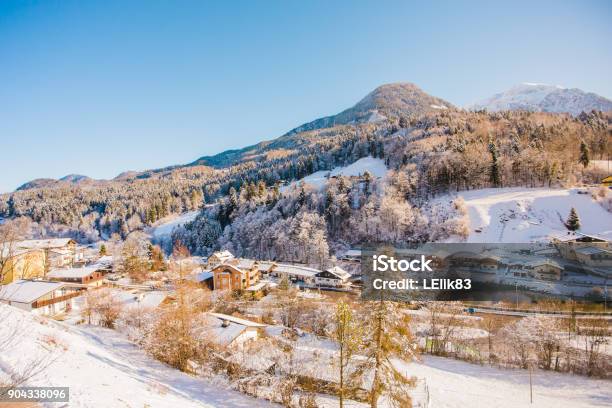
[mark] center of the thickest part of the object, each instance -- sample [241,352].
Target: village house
[41,297]
[351,255]
[545,269]
[294,273]
[568,244]
[21,264]
[594,256]
[332,277]
[232,277]
[84,277]
[218,258]
[204,279]
[230,331]
[59,252]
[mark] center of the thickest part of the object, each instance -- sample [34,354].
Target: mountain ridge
[537,97]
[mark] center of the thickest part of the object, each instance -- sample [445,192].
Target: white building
[232,331]
[332,277]
[41,297]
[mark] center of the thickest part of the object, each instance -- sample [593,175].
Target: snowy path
[456,384]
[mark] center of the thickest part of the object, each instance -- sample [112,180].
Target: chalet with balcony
[40,297]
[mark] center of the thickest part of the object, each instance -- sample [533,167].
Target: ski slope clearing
[103,369]
[376,167]
[456,384]
[164,228]
[518,215]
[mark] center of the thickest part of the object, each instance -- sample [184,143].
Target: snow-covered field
[517,215]
[103,369]
[456,384]
[165,227]
[376,167]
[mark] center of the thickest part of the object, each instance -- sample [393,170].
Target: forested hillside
[428,149]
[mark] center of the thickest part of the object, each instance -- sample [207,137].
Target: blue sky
[99,87]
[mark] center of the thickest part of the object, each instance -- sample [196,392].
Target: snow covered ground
[103,369]
[165,227]
[376,167]
[517,215]
[456,384]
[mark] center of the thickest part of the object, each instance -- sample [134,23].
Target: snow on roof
[27,291]
[237,320]
[45,243]
[295,270]
[258,286]
[103,262]
[590,250]
[539,262]
[352,252]
[225,254]
[339,272]
[224,334]
[72,272]
[246,263]
[200,276]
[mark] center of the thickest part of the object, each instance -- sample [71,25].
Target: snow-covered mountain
[389,100]
[544,98]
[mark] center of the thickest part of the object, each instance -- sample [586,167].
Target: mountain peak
[386,101]
[539,97]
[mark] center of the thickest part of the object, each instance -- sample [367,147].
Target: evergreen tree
[584,154]
[495,176]
[102,251]
[573,221]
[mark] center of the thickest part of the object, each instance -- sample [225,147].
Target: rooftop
[27,291]
[72,273]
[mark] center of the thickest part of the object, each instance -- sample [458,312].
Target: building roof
[246,263]
[339,272]
[229,266]
[222,255]
[27,291]
[237,320]
[72,273]
[589,250]
[295,270]
[200,276]
[225,328]
[352,252]
[45,243]
[539,262]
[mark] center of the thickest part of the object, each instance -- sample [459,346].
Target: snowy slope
[517,215]
[376,167]
[544,98]
[456,384]
[165,227]
[103,369]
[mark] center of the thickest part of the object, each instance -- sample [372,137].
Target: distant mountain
[75,178]
[37,183]
[385,102]
[49,182]
[544,98]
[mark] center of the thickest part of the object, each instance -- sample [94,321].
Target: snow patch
[376,167]
[520,215]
